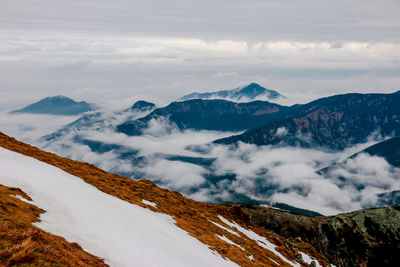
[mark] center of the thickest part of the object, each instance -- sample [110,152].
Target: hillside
[57,105]
[388,149]
[197,114]
[249,92]
[102,120]
[223,229]
[335,122]
[368,237]
[23,243]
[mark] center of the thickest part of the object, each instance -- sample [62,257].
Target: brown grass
[23,244]
[192,216]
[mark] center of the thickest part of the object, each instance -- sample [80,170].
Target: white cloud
[279,174]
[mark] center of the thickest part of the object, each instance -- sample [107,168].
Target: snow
[274,262]
[122,233]
[227,240]
[261,241]
[149,203]
[251,257]
[23,199]
[308,259]
[226,229]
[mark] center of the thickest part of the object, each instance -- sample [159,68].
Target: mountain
[334,122]
[388,149]
[102,120]
[142,106]
[198,114]
[124,222]
[57,105]
[389,199]
[246,93]
[368,237]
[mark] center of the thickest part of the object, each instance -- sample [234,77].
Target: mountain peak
[142,105]
[254,89]
[248,92]
[56,105]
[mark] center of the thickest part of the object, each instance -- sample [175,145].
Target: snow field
[122,233]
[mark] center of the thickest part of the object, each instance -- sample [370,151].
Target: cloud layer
[115,52]
[186,162]
[102,51]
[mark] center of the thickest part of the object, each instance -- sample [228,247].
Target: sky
[111,52]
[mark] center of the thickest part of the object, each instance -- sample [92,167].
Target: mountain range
[240,173]
[100,120]
[57,105]
[388,149]
[334,122]
[249,92]
[198,114]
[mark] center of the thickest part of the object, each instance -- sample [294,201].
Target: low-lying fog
[215,173]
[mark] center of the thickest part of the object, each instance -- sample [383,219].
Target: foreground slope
[109,226]
[123,234]
[368,237]
[23,243]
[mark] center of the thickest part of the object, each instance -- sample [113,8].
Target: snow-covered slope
[122,233]
[127,222]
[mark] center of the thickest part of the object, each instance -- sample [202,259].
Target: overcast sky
[120,50]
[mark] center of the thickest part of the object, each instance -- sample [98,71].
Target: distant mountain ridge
[388,149]
[246,93]
[57,105]
[334,122]
[99,120]
[198,114]
[142,105]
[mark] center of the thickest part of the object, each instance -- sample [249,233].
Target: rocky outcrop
[368,237]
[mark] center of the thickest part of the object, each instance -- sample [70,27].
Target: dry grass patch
[23,244]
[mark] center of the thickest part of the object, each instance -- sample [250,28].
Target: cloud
[30,127]
[115,53]
[186,161]
[309,19]
[173,174]
[163,69]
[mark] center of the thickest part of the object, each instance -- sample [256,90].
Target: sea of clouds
[188,162]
